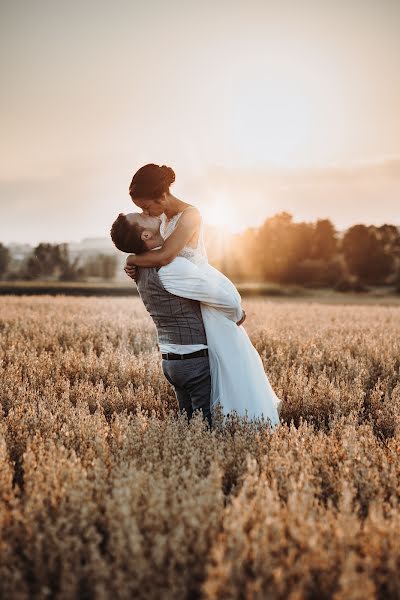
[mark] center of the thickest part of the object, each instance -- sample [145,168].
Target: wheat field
[106,492]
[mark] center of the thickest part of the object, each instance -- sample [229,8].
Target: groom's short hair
[127,236]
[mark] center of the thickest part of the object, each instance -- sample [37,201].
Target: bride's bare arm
[187,225]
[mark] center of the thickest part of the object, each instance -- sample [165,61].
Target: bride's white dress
[238,380]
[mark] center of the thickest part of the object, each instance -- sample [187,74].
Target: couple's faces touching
[152,208]
[145,221]
[148,219]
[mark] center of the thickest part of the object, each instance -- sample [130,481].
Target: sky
[258,106]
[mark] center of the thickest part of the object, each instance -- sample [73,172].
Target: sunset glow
[221,213]
[284,107]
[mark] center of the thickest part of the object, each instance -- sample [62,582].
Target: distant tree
[109,265]
[366,255]
[103,266]
[281,246]
[42,261]
[52,260]
[67,269]
[389,235]
[274,242]
[4,259]
[324,240]
[316,272]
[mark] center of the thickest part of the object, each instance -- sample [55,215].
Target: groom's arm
[183,278]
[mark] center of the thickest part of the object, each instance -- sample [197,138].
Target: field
[106,492]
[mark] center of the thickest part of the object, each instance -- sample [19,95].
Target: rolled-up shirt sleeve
[183,278]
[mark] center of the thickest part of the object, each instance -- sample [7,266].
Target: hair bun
[168,173]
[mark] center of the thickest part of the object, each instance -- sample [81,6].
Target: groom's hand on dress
[242,319]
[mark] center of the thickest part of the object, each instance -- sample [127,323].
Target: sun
[220,214]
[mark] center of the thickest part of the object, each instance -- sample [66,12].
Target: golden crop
[106,492]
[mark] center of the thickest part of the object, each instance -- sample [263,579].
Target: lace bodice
[196,255]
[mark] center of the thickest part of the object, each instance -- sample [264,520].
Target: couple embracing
[206,353]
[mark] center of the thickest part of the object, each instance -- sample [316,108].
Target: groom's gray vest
[178,320]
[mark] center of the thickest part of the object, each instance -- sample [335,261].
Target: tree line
[280,251]
[314,254]
[53,261]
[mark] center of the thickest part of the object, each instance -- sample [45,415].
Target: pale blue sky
[258,107]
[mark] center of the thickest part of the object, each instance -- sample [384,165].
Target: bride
[238,379]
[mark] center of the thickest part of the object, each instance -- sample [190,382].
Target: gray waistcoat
[178,320]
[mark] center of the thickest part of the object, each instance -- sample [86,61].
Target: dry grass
[106,493]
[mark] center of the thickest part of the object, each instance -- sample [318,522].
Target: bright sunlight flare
[220,213]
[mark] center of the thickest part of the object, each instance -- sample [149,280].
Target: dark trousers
[192,382]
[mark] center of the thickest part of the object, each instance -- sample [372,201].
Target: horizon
[102,238]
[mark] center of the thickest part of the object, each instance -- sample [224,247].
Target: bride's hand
[130,269]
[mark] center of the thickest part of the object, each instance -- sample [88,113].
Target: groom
[172,296]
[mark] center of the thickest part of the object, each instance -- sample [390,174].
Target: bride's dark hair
[151,181]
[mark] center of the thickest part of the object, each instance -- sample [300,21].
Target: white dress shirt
[185,279]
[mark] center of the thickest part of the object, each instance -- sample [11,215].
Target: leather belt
[171,356]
